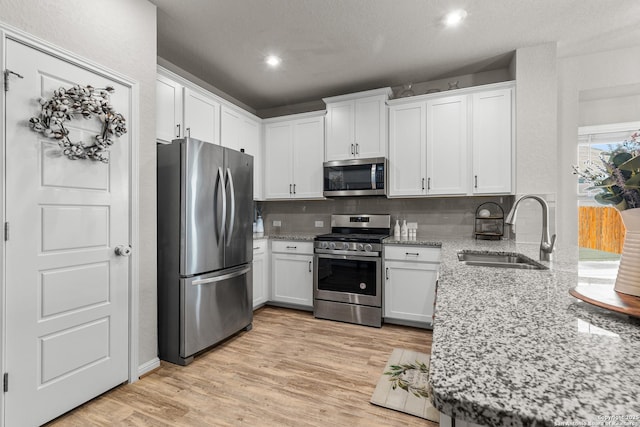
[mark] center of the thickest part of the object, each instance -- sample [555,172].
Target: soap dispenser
[259,225]
[396,229]
[404,231]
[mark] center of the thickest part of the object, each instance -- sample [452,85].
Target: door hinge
[6,231]
[5,382]
[7,73]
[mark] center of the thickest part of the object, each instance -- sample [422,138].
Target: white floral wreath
[85,100]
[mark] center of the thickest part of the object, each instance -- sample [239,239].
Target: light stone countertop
[512,347]
[287,236]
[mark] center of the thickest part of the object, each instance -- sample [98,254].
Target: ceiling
[332,47]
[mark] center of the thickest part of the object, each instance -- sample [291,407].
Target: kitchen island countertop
[512,347]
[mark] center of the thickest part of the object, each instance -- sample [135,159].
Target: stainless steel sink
[500,260]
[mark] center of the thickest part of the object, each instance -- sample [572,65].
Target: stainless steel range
[347,282]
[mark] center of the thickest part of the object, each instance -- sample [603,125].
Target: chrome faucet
[546,245]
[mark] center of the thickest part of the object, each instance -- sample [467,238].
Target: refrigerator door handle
[223,223]
[231,275]
[233,205]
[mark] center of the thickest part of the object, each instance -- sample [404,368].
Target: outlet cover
[319,224]
[277,223]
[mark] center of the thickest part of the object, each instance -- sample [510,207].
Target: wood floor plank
[289,370]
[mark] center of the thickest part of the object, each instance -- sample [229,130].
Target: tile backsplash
[437,217]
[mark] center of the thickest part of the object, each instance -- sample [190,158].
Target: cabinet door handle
[423,183]
[428,183]
[292,247]
[352,150]
[387,273]
[290,189]
[357,148]
[178,126]
[476,179]
[412,254]
[257,247]
[309,266]
[294,189]
[188,132]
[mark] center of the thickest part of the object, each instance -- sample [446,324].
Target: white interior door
[66,307]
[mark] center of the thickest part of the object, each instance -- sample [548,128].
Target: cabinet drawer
[292,247]
[412,253]
[259,246]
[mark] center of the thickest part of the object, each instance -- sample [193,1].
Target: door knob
[123,250]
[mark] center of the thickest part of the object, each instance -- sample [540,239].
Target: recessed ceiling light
[455,17]
[273,61]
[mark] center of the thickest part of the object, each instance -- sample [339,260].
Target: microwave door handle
[233,205]
[373,176]
[224,202]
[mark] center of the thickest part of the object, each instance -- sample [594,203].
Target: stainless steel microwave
[357,177]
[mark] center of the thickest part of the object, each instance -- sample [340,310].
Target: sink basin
[500,260]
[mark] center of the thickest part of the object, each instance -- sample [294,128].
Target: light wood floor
[290,370]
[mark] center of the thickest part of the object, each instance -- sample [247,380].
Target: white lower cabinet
[411,275]
[260,273]
[447,421]
[292,273]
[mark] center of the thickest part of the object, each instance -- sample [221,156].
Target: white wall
[598,71]
[536,135]
[120,35]
[610,109]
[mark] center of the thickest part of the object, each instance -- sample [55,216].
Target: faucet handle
[549,249]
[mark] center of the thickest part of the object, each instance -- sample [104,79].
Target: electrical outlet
[319,224]
[277,223]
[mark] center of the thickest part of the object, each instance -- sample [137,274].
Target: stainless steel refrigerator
[205,246]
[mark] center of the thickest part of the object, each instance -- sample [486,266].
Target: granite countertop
[419,241]
[512,347]
[286,236]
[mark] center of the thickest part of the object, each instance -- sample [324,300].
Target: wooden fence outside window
[600,228]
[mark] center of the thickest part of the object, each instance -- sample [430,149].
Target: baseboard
[148,366]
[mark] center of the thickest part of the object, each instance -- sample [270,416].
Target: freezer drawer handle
[221,278]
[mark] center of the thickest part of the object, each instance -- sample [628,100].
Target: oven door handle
[349,257]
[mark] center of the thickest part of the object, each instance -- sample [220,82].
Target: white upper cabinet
[278,160]
[447,128]
[293,157]
[241,131]
[407,149]
[201,117]
[230,128]
[184,109]
[356,125]
[492,137]
[460,144]
[168,109]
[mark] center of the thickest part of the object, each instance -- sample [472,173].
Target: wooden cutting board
[606,297]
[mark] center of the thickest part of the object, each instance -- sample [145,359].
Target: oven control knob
[332,245]
[360,247]
[368,247]
[345,246]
